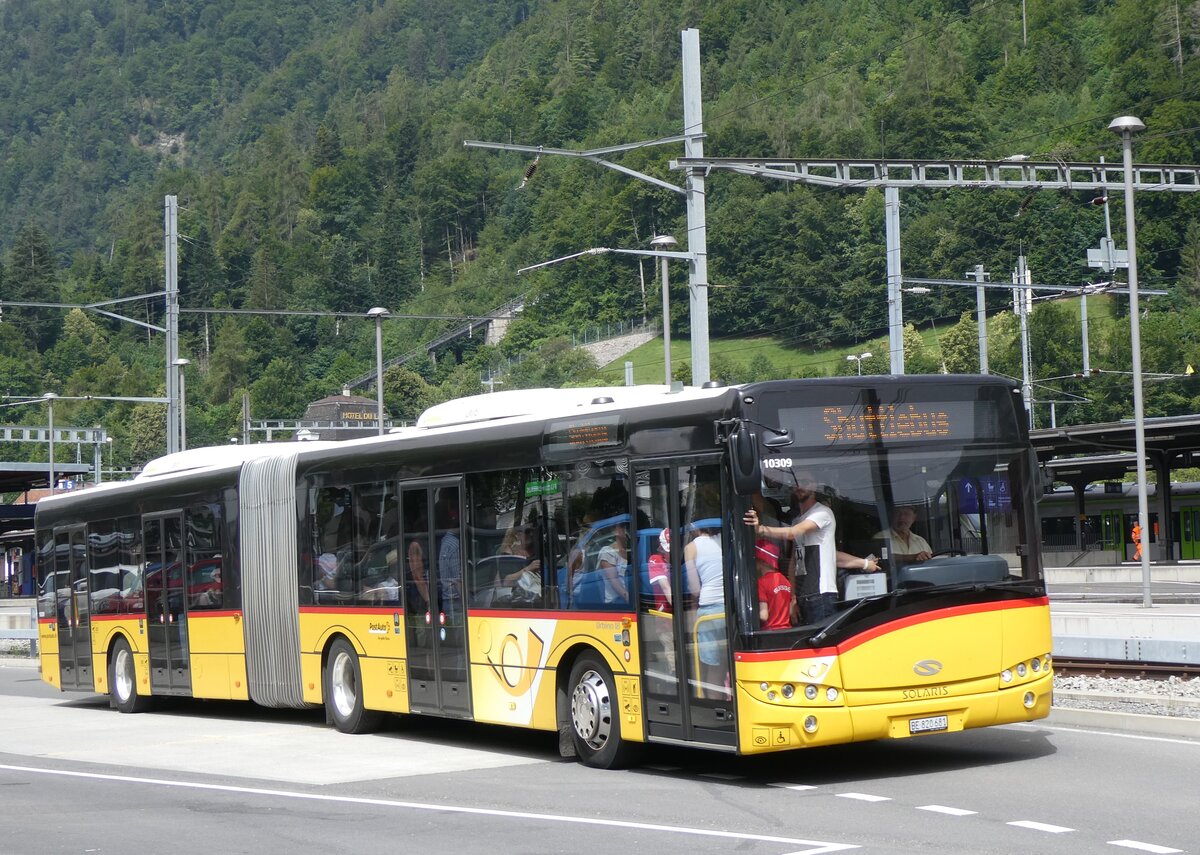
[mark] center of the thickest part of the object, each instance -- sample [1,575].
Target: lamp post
[379,313]
[858,358]
[49,399]
[1126,127]
[180,364]
[665,242]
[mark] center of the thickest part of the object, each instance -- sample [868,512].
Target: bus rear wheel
[343,691]
[122,680]
[595,717]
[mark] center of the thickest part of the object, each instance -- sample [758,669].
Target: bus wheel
[343,691]
[595,719]
[122,680]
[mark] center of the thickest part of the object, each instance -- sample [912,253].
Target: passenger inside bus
[774,590]
[704,566]
[814,531]
[325,584]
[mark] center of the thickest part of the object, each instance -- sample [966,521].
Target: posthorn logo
[927,668]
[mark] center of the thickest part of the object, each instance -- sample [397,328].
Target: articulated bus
[495,562]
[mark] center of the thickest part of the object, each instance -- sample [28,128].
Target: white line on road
[1145,847]
[950,811]
[1134,736]
[1041,826]
[813,847]
[863,797]
[794,786]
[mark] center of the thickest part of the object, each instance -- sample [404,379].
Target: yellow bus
[584,562]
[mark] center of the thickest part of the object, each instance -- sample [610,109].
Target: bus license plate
[928,725]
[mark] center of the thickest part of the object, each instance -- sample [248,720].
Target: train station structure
[1083,455]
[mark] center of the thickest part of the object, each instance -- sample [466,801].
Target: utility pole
[1022,297]
[981,276]
[697,238]
[171,260]
[891,216]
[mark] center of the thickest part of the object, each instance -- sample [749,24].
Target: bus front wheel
[595,715]
[122,680]
[343,691]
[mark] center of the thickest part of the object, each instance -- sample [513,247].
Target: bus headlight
[831,694]
[764,686]
[1021,669]
[810,724]
[1036,665]
[1006,675]
[1030,700]
[788,690]
[810,692]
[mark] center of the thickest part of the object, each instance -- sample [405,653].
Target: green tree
[30,278]
[228,366]
[960,346]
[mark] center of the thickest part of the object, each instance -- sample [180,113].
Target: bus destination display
[900,422]
[577,435]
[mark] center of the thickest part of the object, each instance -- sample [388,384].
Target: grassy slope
[790,361]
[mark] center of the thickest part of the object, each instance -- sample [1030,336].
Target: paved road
[216,778]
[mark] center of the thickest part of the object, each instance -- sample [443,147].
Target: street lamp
[49,399]
[665,242]
[1126,127]
[379,313]
[858,358]
[179,366]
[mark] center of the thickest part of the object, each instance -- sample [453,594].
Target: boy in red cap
[774,590]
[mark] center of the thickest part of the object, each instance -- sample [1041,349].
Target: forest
[316,149]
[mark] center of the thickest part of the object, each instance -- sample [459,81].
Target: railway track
[1070,667]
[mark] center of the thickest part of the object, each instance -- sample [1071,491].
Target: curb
[1148,725]
[19,662]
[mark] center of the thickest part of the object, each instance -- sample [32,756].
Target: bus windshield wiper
[845,616]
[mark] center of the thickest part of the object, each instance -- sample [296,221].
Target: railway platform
[1098,613]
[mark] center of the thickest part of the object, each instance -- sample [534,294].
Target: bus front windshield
[873,521]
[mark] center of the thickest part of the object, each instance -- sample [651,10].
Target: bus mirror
[743,462]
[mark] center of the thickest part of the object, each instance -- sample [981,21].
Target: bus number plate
[928,725]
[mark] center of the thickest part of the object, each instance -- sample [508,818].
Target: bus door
[434,609]
[74,615]
[683,616]
[166,605]
[1189,532]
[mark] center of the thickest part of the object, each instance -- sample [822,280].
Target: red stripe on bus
[889,627]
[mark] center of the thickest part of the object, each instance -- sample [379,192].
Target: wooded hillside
[316,148]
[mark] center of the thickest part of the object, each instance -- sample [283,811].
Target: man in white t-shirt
[815,532]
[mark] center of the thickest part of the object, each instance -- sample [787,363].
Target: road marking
[863,797]
[721,776]
[1145,847]
[812,847]
[949,811]
[793,786]
[1133,736]
[1041,826]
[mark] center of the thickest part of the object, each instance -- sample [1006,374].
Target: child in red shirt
[774,590]
[659,570]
